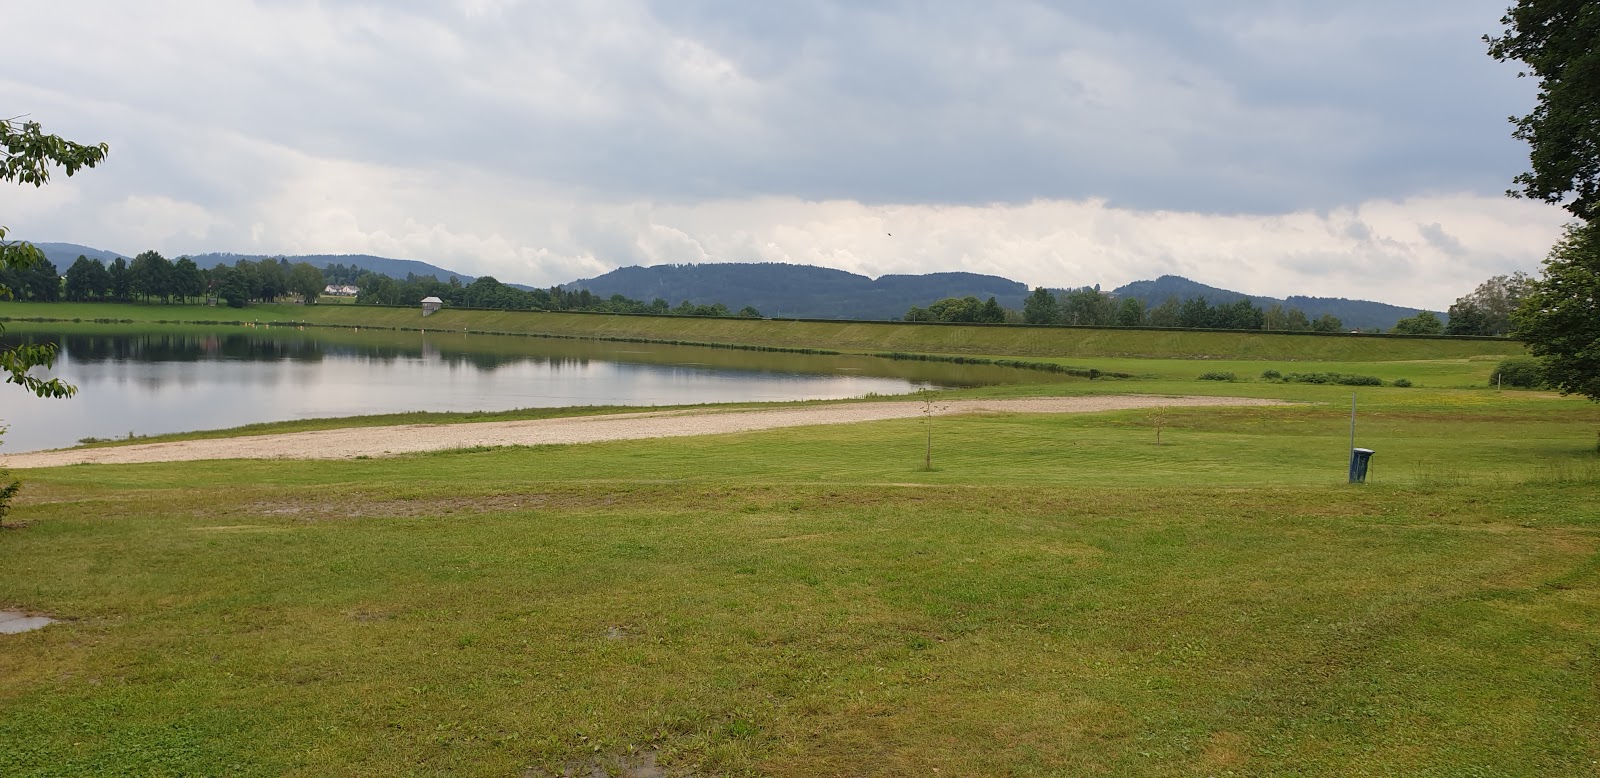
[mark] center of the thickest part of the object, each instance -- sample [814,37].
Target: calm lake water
[182,379]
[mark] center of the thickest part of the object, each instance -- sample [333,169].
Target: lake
[183,378]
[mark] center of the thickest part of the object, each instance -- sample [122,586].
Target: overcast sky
[1355,149]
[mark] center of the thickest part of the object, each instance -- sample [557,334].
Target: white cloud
[1272,148]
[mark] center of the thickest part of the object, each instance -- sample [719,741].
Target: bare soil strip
[412,438]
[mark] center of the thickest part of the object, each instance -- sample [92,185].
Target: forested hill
[804,291]
[63,255]
[799,291]
[1362,314]
[394,268]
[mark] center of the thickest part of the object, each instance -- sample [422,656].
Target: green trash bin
[1360,458]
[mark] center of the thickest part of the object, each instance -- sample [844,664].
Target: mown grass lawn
[1058,596]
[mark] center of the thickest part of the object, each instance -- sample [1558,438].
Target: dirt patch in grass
[1224,751]
[642,764]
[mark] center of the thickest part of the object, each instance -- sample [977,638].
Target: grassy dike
[1059,596]
[841,336]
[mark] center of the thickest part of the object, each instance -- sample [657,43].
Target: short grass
[1059,595]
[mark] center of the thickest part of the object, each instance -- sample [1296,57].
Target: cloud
[1354,149]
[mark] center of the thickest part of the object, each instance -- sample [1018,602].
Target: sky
[1356,149]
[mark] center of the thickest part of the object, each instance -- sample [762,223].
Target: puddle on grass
[17,622]
[638,765]
[240,528]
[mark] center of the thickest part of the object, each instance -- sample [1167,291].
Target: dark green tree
[1559,41]
[1087,306]
[231,285]
[187,281]
[1240,314]
[1327,322]
[1040,307]
[87,280]
[150,275]
[1168,314]
[1130,313]
[992,312]
[1487,309]
[1466,319]
[305,280]
[1196,313]
[1560,318]
[1423,323]
[121,284]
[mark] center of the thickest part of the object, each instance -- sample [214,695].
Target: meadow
[1059,595]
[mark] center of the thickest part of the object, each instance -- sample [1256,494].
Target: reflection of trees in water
[263,347]
[494,354]
[174,347]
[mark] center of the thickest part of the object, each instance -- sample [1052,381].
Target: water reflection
[172,380]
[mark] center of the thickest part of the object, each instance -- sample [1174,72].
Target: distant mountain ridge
[807,291]
[1363,314]
[394,268]
[64,254]
[799,291]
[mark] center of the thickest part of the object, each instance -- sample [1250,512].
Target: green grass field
[1058,596]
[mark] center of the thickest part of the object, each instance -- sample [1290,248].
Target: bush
[1402,382]
[1271,375]
[1522,372]
[1342,379]
[1217,375]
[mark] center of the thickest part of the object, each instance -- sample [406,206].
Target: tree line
[1088,306]
[488,292]
[152,278]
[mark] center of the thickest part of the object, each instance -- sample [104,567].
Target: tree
[1087,306]
[1167,314]
[150,275]
[187,281]
[306,280]
[1466,319]
[121,284]
[1040,307]
[1559,41]
[992,312]
[1327,322]
[1487,309]
[1130,313]
[87,280]
[231,284]
[1240,314]
[1196,313]
[957,309]
[1424,323]
[27,157]
[1560,318]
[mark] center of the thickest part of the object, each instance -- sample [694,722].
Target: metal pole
[1352,423]
[1352,437]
